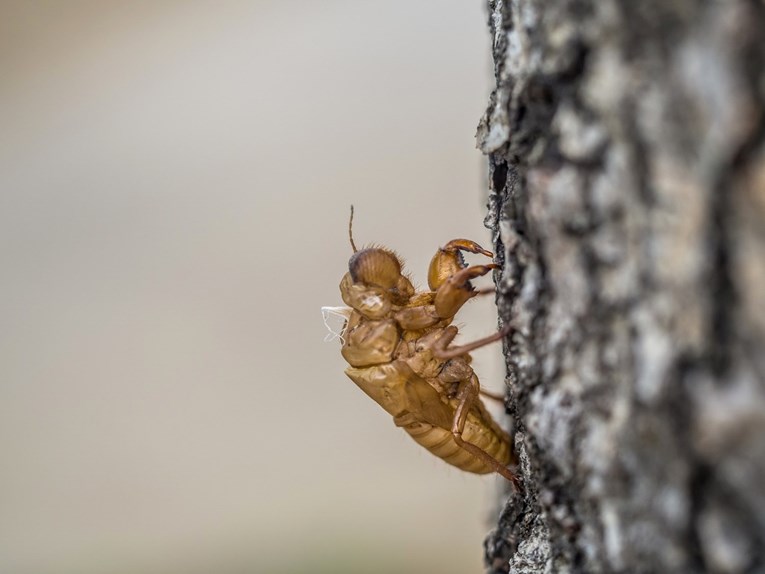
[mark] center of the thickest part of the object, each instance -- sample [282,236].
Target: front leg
[457,290]
[467,396]
[448,260]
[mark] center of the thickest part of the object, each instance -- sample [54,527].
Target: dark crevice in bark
[698,486]
[723,294]
[499,176]
[752,62]
[700,474]
[639,154]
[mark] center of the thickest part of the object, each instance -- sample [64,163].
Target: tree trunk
[626,145]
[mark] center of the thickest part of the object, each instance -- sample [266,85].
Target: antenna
[350,230]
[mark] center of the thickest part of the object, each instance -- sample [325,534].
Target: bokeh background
[174,188]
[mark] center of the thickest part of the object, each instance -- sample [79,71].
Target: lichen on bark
[626,151]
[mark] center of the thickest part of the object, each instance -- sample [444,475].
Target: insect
[398,345]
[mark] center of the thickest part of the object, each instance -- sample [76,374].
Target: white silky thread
[329,313]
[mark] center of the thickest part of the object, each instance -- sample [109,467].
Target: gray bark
[626,146]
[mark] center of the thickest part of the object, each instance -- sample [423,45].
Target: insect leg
[457,290]
[467,395]
[442,350]
[493,396]
[465,245]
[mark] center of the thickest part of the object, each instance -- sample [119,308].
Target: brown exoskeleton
[397,343]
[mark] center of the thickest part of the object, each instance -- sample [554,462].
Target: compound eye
[404,287]
[375,266]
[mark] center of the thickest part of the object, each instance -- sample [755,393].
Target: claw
[456,290]
[466,245]
[448,260]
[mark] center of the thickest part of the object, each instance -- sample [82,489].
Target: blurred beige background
[175,183]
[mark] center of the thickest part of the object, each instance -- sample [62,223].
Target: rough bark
[626,146]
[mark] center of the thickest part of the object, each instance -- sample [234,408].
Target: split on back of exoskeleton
[398,345]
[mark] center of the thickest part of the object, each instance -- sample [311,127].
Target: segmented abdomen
[441,443]
[423,413]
